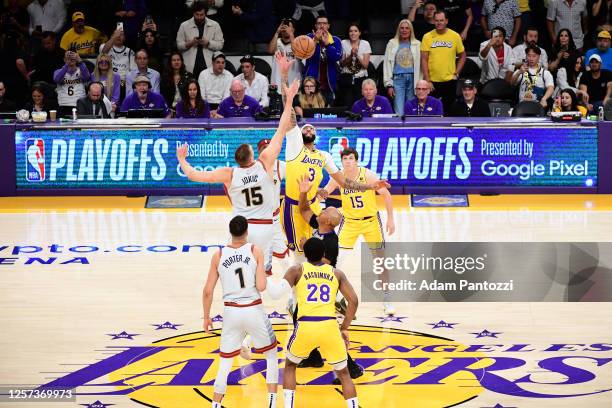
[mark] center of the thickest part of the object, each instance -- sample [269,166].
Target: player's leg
[348,387]
[263,337]
[289,383]
[375,238]
[262,236]
[334,349]
[298,346]
[231,336]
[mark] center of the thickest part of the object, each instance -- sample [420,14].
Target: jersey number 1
[252,196]
[239,273]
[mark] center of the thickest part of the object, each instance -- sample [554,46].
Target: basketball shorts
[238,321]
[371,228]
[310,333]
[261,233]
[296,227]
[279,243]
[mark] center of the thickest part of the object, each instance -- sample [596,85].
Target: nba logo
[35,160]
[336,145]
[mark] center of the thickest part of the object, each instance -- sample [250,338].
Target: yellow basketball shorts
[296,227]
[370,227]
[322,332]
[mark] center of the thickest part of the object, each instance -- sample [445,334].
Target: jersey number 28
[324,293]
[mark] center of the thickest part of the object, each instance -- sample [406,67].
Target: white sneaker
[245,348]
[389,309]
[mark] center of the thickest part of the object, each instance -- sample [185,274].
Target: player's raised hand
[378,184]
[207,324]
[283,62]
[304,184]
[181,152]
[292,90]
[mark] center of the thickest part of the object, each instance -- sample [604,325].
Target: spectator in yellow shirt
[84,40]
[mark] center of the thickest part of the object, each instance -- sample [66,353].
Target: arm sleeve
[180,39]
[294,143]
[330,166]
[58,75]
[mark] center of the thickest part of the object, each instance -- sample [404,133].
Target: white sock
[216,404]
[352,403]
[289,394]
[271,400]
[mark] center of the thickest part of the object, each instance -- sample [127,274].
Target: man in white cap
[143,97]
[595,84]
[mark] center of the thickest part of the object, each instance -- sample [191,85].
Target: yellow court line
[506,202]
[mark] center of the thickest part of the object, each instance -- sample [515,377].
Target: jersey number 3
[324,293]
[252,196]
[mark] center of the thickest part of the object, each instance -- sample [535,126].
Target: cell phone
[496,33]
[120,26]
[148,19]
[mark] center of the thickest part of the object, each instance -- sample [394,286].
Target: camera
[276,101]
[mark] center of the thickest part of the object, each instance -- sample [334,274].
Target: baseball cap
[468,83]
[218,54]
[262,143]
[78,16]
[604,34]
[248,58]
[595,57]
[142,78]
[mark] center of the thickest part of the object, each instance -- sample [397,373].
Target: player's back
[358,204]
[237,269]
[251,192]
[316,291]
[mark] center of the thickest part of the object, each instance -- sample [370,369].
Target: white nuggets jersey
[237,268]
[280,170]
[123,60]
[252,192]
[70,89]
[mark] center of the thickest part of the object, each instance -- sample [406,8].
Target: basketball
[303,47]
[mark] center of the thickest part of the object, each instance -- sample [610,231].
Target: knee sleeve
[271,366]
[225,365]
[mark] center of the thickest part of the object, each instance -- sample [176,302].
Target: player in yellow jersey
[361,217]
[316,285]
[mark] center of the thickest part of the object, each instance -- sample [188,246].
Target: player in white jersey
[70,80]
[251,187]
[279,244]
[239,266]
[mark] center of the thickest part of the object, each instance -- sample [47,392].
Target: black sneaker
[314,360]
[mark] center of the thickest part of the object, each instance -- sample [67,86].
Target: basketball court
[103,296]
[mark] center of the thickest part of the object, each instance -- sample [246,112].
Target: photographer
[281,42]
[535,82]
[70,80]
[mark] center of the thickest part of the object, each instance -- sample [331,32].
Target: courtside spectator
[40,102]
[70,80]
[93,104]
[6,105]
[309,97]
[238,104]
[470,106]
[423,104]
[535,82]
[567,14]
[81,38]
[567,101]
[371,103]
[174,79]
[504,13]
[191,105]
[215,82]
[496,57]
[595,83]
[144,97]
[47,15]
[603,50]
[256,84]
[142,69]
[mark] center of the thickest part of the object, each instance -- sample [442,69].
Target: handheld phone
[148,19]
[120,26]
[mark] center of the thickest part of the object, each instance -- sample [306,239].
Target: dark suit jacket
[85,107]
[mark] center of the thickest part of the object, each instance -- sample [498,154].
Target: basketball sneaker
[388,308]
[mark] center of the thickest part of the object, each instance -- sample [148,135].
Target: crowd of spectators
[434,57]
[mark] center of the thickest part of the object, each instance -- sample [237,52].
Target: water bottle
[600,114]
[497,112]
[74,114]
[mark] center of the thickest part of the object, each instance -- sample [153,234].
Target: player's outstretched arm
[276,290]
[371,177]
[286,123]
[303,204]
[330,187]
[209,288]
[342,181]
[352,301]
[220,175]
[260,273]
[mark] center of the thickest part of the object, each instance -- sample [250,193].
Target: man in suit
[93,103]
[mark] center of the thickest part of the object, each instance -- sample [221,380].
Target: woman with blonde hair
[103,72]
[401,65]
[310,96]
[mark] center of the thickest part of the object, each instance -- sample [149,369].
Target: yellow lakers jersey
[358,204]
[316,291]
[306,162]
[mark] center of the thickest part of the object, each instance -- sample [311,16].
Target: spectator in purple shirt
[144,98]
[191,104]
[423,104]
[371,103]
[238,104]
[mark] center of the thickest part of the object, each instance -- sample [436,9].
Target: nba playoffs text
[487,271]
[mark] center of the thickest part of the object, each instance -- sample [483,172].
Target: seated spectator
[603,50]
[496,57]
[255,83]
[149,41]
[174,78]
[371,103]
[46,15]
[570,78]
[192,105]
[111,81]
[353,66]
[93,103]
[85,40]
[423,104]
[568,102]
[47,59]
[534,81]
[530,37]
[423,23]
[281,42]
[322,64]
[142,69]
[144,97]
[470,106]
[70,80]
[309,97]
[564,51]
[401,65]
[121,56]
[6,105]
[215,82]
[197,38]
[238,104]
[595,83]
[39,101]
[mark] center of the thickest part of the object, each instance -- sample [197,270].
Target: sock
[216,404]
[271,400]
[386,296]
[289,395]
[352,403]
